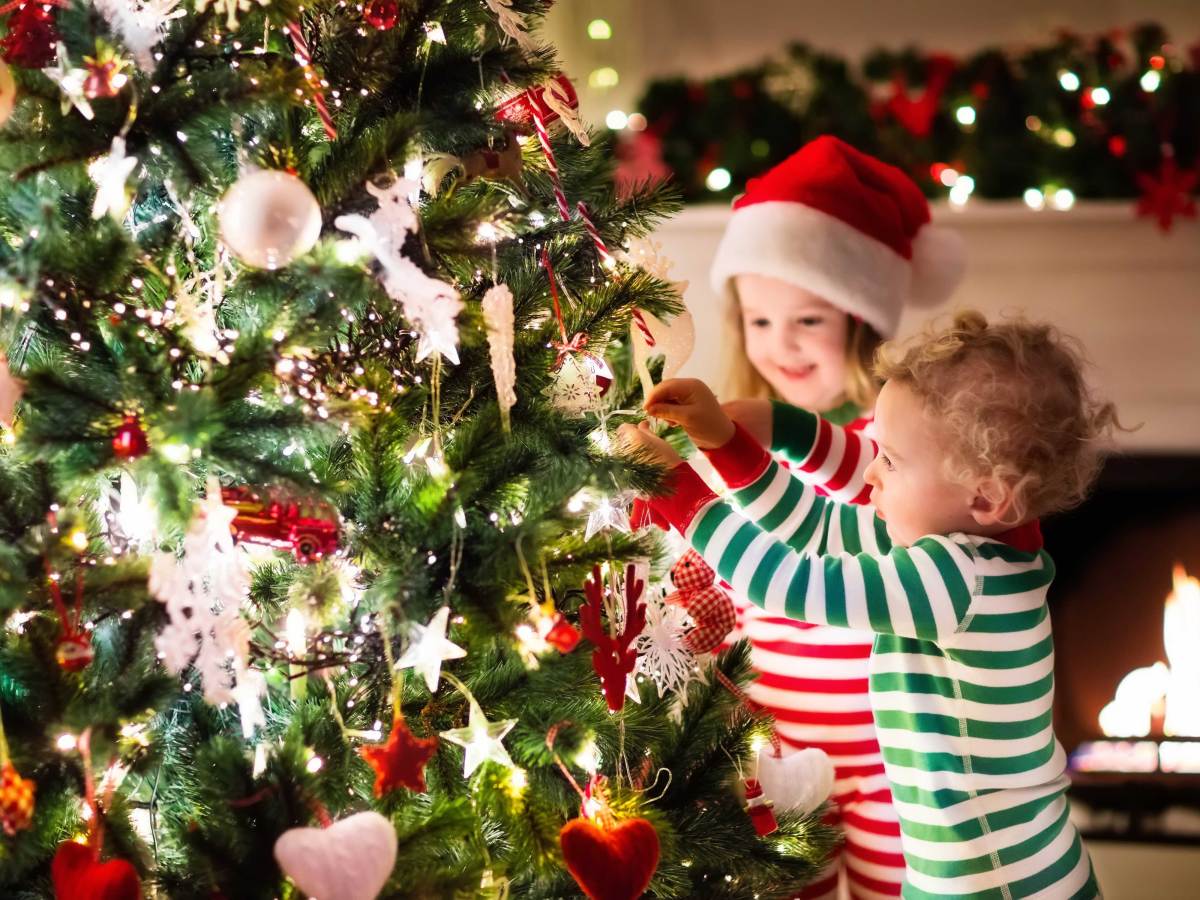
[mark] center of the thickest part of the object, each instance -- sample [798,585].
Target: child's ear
[992,502]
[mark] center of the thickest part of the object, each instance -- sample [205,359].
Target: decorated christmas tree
[316,570]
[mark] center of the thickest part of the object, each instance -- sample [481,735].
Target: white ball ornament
[268,218]
[8,92]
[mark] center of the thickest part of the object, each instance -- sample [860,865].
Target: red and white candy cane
[606,258]
[304,58]
[543,136]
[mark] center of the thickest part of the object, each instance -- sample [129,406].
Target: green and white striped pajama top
[961,675]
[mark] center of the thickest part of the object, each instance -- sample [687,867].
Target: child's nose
[871,474]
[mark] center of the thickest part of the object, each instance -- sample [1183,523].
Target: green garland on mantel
[1103,117]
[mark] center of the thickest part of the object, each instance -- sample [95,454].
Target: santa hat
[845,226]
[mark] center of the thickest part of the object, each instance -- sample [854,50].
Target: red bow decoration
[576,344]
[613,659]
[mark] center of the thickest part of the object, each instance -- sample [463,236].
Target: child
[982,429]
[821,255]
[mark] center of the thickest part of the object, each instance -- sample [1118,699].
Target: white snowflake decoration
[663,653]
[141,24]
[203,591]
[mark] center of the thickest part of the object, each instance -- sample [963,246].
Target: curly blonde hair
[1013,398]
[741,381]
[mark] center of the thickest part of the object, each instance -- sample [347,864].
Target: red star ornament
[401,761]
[1168,195]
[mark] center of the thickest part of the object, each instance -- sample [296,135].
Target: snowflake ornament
[203,590]
[663,652]
[141,24]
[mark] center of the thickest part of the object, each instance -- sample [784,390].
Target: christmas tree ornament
[203,590]
[614,658]
[428,649]
[16,799]
[268,218]
[351,859]
[1167,195]
[104,76]
[796,783]
[305,527]
[141,24]
[710,607]
[498,319]
[609,513]
[512,23]
[916,111]
[230,8]
[430,305]
[562,635]
[110,174]
[129,440]
[518,109]
[78,874]
[664,655]
[8,92]
[759,809]
[31,35]
[383,14]
[315,82]
[482,740]
[11,389]
[73,650]
[401,761]
[503,161]
[610,861]
[70,82]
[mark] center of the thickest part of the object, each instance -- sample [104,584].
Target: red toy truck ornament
[307,528]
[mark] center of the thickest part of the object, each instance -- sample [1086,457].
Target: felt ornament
[351,859]
[78,874]
[710,607]
[610,863]
[615,656]
[797,783]
[401,761]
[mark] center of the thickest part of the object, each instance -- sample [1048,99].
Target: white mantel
[1129,292]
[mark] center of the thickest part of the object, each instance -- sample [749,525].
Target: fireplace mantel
[1128,291]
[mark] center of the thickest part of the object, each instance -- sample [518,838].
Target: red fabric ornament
[383,14]
[104,78]
[613,863]
[613,659]
[16,799]
[74,651]
[1168,195]
[130,441]
[517,111]
[759,808]
[32,38]
[78,874]
[710,607]
[401,761]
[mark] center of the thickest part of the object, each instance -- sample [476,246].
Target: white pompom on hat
[846,226]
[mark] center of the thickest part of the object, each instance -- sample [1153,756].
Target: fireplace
[1126,614]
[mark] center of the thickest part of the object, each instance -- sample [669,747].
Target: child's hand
[689,403]
[756,416]
[640,439]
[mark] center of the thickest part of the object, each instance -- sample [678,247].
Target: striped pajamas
[813,680]
[961,674]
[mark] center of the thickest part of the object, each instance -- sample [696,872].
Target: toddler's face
[909,488]
[795,340]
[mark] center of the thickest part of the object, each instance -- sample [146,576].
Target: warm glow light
[1150,80]
[66,742]
[1034,198]
[965,115]
[605,77]
[616,120]
[599,30]
[1068,80]
[294,629]
[1100,96]
[718,179]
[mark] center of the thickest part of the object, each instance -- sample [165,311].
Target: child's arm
[923,591]
[832,457]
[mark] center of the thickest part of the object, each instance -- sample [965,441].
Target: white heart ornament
[352,859]
[798,782]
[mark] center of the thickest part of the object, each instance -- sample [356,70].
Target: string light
[605,77]
[1068,80]
[599,30]
[965,115]
[1150,80]
[1034,198]
[718,179]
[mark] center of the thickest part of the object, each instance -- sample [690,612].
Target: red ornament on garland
[16,799]
[383,14]
[401,761]
[130,440]
[610,863]
[1168,195]
[759,808]
[562,636]
[74,651]
[78,874]
[32,39]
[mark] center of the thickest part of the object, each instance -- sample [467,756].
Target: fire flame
[1172,691]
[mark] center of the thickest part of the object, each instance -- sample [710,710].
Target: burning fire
[1162,695]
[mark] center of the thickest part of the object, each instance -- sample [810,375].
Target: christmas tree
[316,325]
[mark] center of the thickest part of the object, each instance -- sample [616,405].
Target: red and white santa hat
[845,226]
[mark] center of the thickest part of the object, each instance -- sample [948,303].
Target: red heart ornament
[79,875]
[610,864]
